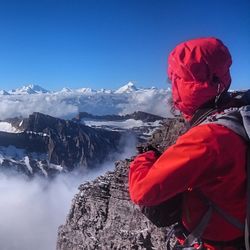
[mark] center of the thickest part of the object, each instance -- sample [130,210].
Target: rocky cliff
[47,145]
[139,115]
[102,215]
[139,123]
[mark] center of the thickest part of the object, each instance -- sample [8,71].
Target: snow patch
[21,123]
[57,167]
[127,124]
[7,127]
[27,163]
[36,133]
[40,165]
[86,90]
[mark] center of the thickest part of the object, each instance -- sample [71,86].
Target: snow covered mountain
[3,92]
[128,88]
[67,102]
[29,89]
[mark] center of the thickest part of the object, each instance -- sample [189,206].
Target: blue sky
[106,43]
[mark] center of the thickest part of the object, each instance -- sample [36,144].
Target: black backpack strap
[196,235]
[229,218]
[237,120]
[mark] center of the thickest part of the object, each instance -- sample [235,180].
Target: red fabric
[195,68]
[209,157]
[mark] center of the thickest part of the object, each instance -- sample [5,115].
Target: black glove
[145,148]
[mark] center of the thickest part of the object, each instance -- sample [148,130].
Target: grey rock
[139,115]
[102,215]
[114,123]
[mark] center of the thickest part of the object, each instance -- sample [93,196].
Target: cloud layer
[68,104]
[32,210]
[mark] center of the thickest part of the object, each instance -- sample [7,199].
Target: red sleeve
[187,164]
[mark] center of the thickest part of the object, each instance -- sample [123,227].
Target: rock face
[139,115]
[69,142]
[102,215]
[48,145]
[45,145]
[139,123]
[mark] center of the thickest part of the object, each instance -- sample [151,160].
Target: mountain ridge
[68,103]
[28,89]
[138,115]
[49,143]
[37,89]
[45,142]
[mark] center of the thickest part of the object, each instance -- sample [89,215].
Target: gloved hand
[145,148]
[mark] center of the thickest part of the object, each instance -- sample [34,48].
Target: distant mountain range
[67,102]
[36,89]
[44,132]
[29,89]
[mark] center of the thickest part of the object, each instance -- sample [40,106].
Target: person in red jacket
[209,157]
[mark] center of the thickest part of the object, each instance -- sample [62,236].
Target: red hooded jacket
[209,157]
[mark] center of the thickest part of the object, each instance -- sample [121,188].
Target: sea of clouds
[68,104]
[31,210]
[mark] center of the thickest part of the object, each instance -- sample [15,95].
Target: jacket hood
[199,71]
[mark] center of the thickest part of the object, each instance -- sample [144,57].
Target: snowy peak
[128,88]
[86,90]
[29,89]
[3,92]
[105,91]
[66,90]
[67,102]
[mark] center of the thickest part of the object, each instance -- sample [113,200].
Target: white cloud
[67,104]
[24,105]
[152,101]
[32,210]
[7,127]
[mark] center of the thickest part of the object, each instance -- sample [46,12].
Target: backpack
[169,212]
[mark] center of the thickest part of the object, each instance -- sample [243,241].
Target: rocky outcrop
[102,215]
[139,123]
[70,142]
[139,115]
